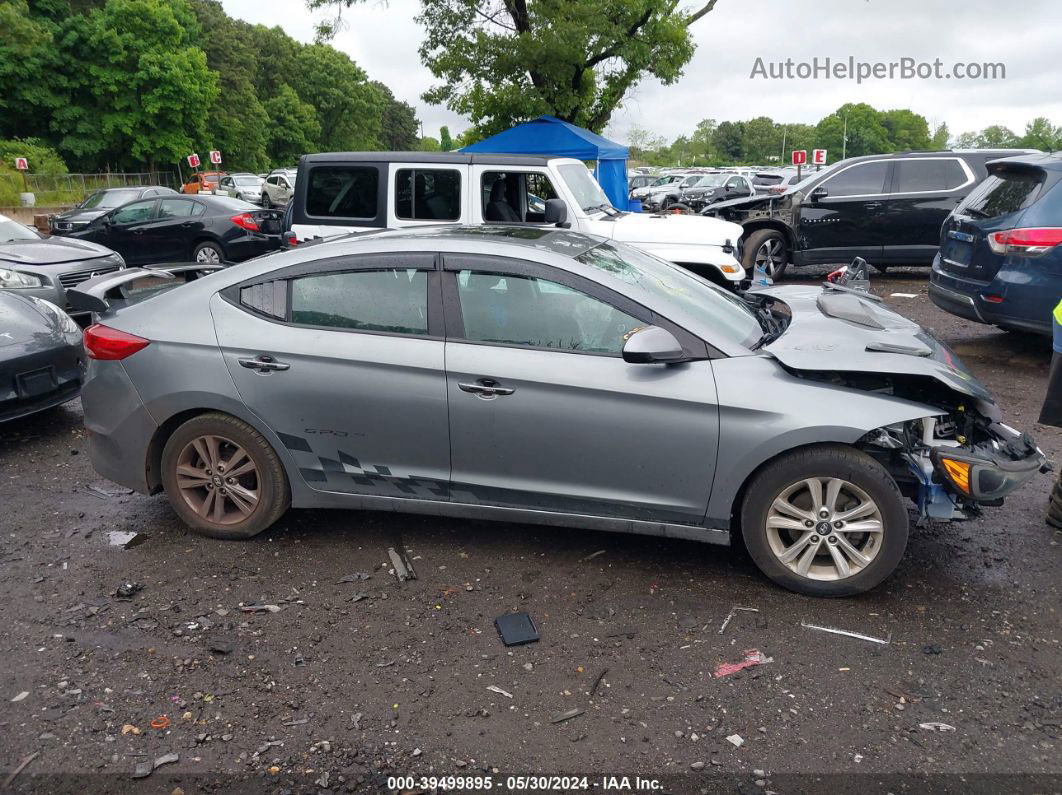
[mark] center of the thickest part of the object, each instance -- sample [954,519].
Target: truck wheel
[766,247]
[223,478]
[825,521]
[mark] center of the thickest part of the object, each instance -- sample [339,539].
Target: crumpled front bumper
[983,478]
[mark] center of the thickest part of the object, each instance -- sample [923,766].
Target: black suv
[887,209]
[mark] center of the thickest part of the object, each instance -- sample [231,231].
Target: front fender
[765,411]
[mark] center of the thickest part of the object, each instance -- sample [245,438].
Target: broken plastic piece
[936,727]
[516,629]
[403,568]
[752,657]
[848,634]
[499,691]
[560,717]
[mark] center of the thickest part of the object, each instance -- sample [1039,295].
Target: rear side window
[428,194]
[394,301]
[918,176]
[343,192]
[179,208]
[858,180]
[1003,193]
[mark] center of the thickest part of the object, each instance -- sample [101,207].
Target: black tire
[267,202]
[759,239]
[825,461]
[208,251]
[880,268]
[274,493]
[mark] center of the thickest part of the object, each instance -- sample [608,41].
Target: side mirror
[652,345]
[819,194]
[557,213]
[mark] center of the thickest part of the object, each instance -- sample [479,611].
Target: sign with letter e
[818,157]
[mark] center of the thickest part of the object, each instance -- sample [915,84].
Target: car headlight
[14,280]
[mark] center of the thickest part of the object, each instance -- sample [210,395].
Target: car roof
[549,238]
[427,157]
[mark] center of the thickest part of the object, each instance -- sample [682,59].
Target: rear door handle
[486,389]
[872,206]
[264,364]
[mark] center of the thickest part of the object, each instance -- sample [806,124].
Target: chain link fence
[52,190]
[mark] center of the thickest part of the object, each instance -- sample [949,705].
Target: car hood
[834,331]
[23,320]
[748,202]
[699,192]
[82,215]
[668,228]
[51,251]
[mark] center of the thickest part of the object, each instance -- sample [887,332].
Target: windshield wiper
[773,327]
[608,209]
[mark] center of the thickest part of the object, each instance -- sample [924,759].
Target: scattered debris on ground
[733,612]
[847,633]
[516,629]
[752,658]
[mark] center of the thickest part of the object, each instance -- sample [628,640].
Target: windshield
[247,181]
[673,287]
[109,198]
[12,230]
[711,181]
[584,187]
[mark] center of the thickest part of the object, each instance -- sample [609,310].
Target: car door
[123,230]
[844,215]
[343,360]
[737,187]
[226,187]
[283,190]
[923,191]
[546,415]
[168,237]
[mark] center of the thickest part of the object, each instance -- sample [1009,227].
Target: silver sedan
[532,374]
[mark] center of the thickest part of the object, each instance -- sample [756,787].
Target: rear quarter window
[1003,193]
[921,175]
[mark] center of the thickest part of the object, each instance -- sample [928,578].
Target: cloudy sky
[383,39]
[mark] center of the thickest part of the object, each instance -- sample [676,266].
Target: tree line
[138,84]
[852,130]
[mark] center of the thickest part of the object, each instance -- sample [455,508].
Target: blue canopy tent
[548,135]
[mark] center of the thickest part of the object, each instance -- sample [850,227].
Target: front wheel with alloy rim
[208,252]
[223,478]
[766,248]
[825,521]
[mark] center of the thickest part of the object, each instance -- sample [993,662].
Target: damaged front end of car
[952,465]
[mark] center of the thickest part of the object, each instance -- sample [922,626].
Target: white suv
[363,191]
[278,187]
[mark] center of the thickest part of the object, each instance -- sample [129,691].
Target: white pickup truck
[361,191]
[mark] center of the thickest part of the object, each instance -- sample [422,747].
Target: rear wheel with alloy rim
[766,248]
[223,478]
[825,521]
[208,252]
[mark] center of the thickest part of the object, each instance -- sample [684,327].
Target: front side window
[859,180]
[133,213]
[423,194]
[917,176]
[536,313]
[343,191]
[394,301]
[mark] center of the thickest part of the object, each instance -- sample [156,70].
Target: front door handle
[872,206]
[486,389]
[264,364]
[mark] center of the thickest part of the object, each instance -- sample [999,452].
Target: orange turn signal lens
[958,472]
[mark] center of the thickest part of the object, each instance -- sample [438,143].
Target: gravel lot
[350,682]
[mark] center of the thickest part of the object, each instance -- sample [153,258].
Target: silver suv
[278,187]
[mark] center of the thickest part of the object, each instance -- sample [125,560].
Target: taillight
[1033,242]
[246,221]
[110,344]
[293,239]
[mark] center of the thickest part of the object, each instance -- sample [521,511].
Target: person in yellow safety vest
[1051,413]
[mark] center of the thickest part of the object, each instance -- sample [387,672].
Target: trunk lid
[108,294]
[270,222]
[833,331]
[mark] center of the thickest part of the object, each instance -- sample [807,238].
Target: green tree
[237,123]
[399,129]
[503,63]
[761,140]
[941,138]
[701,140]
[42,158]
[28,60]
[866,131]
[1040,133]
[728,140]
[349,108]
[446,143]
[907,130]
[967,140]
[138,86]
[429,144]
[997,137]
[294,129]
